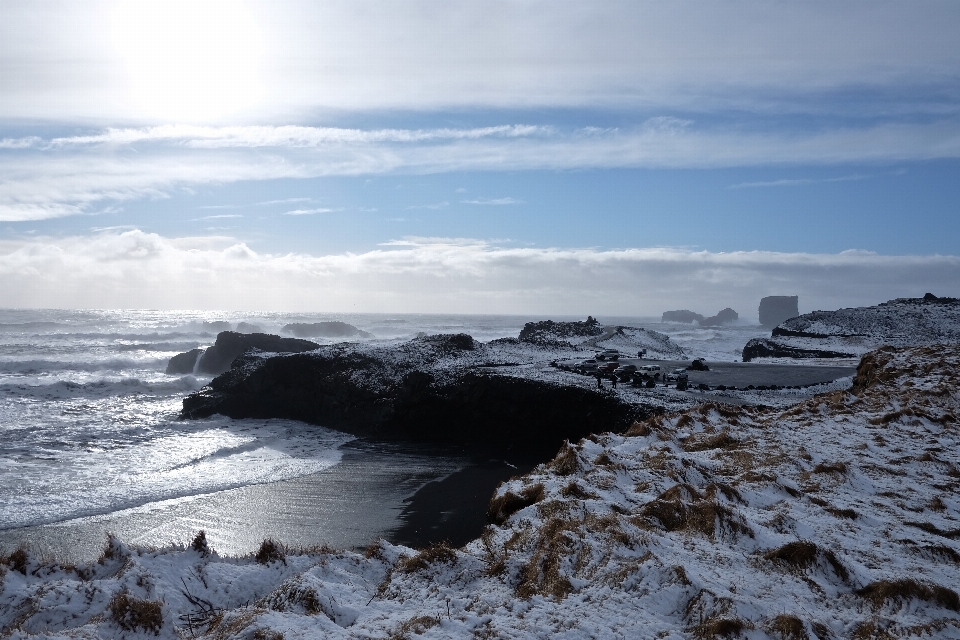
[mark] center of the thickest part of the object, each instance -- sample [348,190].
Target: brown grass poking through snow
[200,545]
[803,554]
[270,551]
[788,627]
[502,507]
[417,625]
[722,440]
[133,613]
[682,508]
[440,552]
[18,560]
[566,462]
[837,467]
[882,591]
[720,628]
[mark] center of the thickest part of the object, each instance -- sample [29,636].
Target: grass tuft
[502,507]
[788,627]
[803,554]
[133,613]
[441,552]
[882,591]
[270,551]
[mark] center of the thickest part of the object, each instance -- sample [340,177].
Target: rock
[698,365]
[682,315]
[184,362]
[216,326]
[766,348]
[725,316]
[848,333]
[428,389]
[775,309]
[246,327]
[230,344]
[334,329]
[550,333]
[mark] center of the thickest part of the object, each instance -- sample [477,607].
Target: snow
[835,517]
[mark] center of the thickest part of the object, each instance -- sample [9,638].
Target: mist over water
[88,416]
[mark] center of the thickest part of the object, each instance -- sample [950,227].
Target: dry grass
[803,554]
[788,627]
[133,613]
[502,507]
[417,625]
[440,552]
[567,461]
[883,591]
[574,490]
[294,596]
[836,467]
[270,551]
[720,628]
[18,560]
[541,574]
[722,440]
[870,631]
[200,545]
[682,508]
[267,634]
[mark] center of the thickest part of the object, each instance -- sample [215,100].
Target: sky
[620,158]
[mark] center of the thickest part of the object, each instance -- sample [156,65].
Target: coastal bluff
[444,388]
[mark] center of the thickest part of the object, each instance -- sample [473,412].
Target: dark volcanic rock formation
[775,309]
[246,327]
[229,345]
[683,315]
[904,322]
[723,317]
[429,389]
[549,333]
[184,362]
[334,329]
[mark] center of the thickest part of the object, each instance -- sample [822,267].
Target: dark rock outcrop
[550,333]
[184,362]
[775,309]
[216,326]
[723,317]
[430,389]
[682,315]
[229,345]
[766,348]
[332,329]
[246,327]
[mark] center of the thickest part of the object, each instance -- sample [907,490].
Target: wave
[104,388]
[30,326]
[34,367]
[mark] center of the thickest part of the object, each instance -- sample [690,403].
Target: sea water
[89,421]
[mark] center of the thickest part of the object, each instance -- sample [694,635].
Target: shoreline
[408,495]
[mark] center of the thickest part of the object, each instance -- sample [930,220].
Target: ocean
[90,439]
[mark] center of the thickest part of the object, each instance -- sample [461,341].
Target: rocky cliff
[228,346]
[903,322]
[438,388]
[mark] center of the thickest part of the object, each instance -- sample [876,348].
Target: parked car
[608,354]
[650,368]
[586,367]
[626,369]
[676,373]
[607,367]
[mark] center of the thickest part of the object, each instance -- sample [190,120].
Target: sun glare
[189,61]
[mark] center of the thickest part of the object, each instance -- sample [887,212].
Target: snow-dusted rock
[847,333]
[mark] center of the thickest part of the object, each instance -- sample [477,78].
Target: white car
[650,368]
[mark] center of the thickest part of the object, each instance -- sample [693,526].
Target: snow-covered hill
[853,332]
[835,518]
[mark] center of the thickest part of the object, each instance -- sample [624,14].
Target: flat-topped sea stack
[445,388]
[850,333]
[776,309]
[228,346]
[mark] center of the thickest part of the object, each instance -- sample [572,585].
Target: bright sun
[190,61]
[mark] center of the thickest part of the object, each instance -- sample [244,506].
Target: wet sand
[346,506]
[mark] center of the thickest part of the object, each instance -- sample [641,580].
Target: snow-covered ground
[834,518]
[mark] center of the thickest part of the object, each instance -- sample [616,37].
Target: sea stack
[776,309]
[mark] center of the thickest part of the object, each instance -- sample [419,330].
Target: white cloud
[460,275]
[796,182]
[493,201]
[71,179]
[90,60]
[309,212]
[218,217]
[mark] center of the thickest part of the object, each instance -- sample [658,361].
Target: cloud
[494,201]
[309,212]
[796,182]
[72,180]
[218,217]
[134,269]
[86,62]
